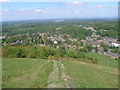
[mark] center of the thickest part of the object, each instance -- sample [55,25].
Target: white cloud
[52,0]
[77,11]
[111,0]
[38,10]
[32,10]
[59,0]
[45,10]
[101,5]
[24,9]
[28,10]
[74,4]
[3,10]
[5,0]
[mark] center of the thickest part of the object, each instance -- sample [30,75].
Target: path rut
[58,78]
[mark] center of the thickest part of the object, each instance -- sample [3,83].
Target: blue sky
[55,10]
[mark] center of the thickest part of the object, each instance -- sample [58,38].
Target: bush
[40,52]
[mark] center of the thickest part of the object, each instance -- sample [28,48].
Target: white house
[55,42]
[115,44]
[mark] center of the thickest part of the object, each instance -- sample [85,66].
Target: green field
[103,60]
[86,75]
[23,73]
[35,73]
[0,73]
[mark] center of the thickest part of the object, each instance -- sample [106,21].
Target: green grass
[60,74]
[25,73]
[0,73]
[104,74]
[60,70]
[85,75]
[103,60]
[34,73]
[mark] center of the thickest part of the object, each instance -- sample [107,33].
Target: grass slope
[25,73]
[103,60]
[85,75]
[34,73]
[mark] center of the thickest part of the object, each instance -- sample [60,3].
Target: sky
[57,10]
[58,0]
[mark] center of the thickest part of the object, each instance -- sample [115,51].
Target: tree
[20,53]
[62,51]
[105,49]
[89,47]
[115,50]
[84,49]
[78,54]
[57,52]
[5,51]
[69,53]
[96,49]
[33,52]
[81,44]
[102,44]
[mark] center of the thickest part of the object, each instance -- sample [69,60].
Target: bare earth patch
[54,81]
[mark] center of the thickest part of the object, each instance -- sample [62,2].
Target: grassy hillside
[85,75]
[23,73]
[103,60]
[0,73]
[35,73]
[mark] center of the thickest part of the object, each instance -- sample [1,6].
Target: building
[55,42]
[115,44]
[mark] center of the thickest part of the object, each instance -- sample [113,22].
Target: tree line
[39,52]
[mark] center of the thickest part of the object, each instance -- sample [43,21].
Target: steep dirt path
[58,78]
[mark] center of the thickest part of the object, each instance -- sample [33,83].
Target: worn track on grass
[58,78]
[29,76]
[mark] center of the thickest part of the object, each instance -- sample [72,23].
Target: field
[91,76]
[25,73]
[103,60]
[0,73]
[38,73]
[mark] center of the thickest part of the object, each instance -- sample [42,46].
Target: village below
[94,39]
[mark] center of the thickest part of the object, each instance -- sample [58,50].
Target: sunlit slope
[86,75]
[25,73]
